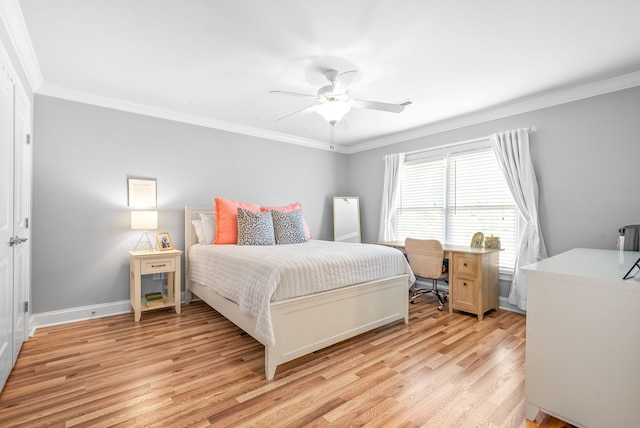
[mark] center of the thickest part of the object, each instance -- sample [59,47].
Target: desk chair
[426,258]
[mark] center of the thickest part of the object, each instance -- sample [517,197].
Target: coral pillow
[289,208]
[227,219]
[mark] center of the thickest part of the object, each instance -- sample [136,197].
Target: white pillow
[199,229]
[208,226]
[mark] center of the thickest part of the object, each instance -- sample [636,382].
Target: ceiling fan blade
[305,110]
[375,105]
[342,82]
[295,94]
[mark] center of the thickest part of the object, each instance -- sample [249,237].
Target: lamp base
[144,243]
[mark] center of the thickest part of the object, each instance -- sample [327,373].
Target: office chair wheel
[412,301]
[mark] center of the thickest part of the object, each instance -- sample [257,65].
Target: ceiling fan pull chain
[333,126]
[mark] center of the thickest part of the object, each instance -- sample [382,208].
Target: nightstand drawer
[157,266]
[466,265]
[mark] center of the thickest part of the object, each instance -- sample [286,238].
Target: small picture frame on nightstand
[164,241]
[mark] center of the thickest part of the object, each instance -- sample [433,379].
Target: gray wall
[586,155]
[82,157]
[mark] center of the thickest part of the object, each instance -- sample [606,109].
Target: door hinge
[26,223]
[26,306]
[28,138]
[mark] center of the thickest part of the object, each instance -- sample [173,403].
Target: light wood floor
[197,369]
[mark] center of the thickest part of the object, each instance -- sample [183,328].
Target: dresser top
[589,266]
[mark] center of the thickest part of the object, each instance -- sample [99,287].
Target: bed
[298,325]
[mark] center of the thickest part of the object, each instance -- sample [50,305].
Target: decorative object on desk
[477,240]
[164,241]
[492,242]
[142,193]
[144,220]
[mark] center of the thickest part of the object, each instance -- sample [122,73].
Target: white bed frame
[306,324]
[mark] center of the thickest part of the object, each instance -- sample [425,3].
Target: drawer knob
[162,265]
[464,283]
[464,264]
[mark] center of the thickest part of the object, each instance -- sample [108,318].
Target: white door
[21,219]
[6,226]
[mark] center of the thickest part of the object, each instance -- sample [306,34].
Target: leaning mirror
[346,219]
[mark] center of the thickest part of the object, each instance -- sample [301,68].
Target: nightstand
[150,262]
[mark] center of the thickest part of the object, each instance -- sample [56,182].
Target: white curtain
[512,150]
[392,172]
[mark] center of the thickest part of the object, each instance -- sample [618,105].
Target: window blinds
[452,196]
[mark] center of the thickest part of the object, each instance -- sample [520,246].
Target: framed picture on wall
[164,241]
[142,193]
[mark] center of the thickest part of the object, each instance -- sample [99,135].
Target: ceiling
[214,62]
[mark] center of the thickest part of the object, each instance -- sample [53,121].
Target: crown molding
[13,20]
[523,105]
[116,104]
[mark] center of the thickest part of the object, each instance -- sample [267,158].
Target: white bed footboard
[307,324]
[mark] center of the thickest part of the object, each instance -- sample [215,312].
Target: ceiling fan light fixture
[333,110]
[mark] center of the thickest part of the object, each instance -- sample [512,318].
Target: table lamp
[144,220]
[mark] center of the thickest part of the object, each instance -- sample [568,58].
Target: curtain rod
[532,128]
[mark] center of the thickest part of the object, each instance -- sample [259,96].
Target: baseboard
[81,313]
[504,304]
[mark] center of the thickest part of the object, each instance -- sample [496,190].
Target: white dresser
[583,339]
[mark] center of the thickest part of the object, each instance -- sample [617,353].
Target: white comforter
[253,276]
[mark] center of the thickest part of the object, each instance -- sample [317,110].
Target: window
[449,196]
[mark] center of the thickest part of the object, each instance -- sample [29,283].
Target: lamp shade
[334,110]
[144,220]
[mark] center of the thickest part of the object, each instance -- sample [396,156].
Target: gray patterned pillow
[255,228]
[288,227]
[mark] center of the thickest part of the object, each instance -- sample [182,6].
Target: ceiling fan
[333,101]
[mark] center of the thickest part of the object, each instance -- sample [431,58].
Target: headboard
[190,238]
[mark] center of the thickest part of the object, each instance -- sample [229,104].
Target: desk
[474,285]
[583,325]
